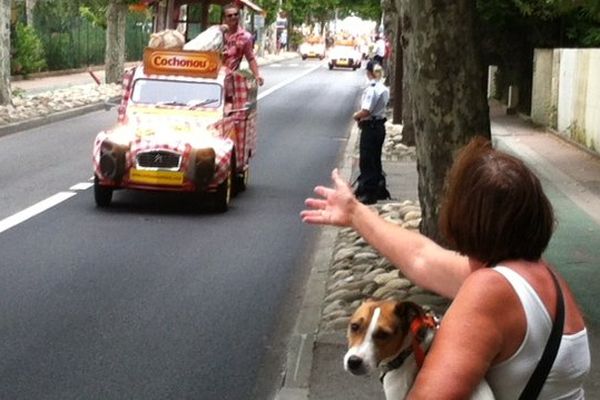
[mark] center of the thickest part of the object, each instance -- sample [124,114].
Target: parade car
[345,54]
[313,47]
[186,123]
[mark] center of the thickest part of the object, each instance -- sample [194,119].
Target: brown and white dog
[394,336]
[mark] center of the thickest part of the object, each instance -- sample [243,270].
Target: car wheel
[102,194]
[330,66]
[238,177]
[222,197]
[304,57]
[241,180]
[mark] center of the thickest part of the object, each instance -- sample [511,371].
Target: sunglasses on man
[231,15]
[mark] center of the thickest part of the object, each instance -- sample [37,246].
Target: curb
[305,335]
[299,361]
[53,117]
[63,72]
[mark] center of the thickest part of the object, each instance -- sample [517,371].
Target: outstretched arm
[419,258]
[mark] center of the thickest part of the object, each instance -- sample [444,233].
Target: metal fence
[83,44]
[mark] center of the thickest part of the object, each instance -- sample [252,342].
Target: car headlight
[121,135]
[112,159]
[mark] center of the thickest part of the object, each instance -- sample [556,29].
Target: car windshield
[176,93]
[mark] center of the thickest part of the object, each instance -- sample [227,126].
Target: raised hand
[335,206]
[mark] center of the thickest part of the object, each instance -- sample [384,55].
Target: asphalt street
[152,299]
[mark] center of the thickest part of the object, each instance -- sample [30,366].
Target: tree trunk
[29,6]
[399,92]
[5,10]
[114,58]
[408,129]
[397,72]
[447,93]
[390,27]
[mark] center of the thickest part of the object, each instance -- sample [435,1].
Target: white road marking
[285,83]
[81,186]
[300,352]
[59,197]
[34,210]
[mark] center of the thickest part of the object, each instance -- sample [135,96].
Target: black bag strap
[537,379]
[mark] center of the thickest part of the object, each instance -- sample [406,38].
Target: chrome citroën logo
[158,158]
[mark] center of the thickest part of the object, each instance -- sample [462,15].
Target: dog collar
[395,363]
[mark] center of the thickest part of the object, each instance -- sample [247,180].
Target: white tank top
[565,380]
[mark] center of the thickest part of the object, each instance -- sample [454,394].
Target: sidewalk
[571,179]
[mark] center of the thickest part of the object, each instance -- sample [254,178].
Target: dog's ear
[406,311]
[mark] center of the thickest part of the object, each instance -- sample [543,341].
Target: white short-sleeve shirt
[375,99]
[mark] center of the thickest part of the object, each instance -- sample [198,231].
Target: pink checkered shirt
[237,45]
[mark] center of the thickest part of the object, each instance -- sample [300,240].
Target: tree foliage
[271,7]
[95,10]
[366,9]
[511,29]
[322,11]
[543,22]
[28,53]
[56,15]
[309,11]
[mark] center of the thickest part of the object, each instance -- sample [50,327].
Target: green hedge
[85,43]
[27,51]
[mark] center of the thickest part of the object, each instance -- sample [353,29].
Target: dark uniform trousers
[372,135]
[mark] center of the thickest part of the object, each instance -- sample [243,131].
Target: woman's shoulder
[488,288]
[489,301]
[486,278]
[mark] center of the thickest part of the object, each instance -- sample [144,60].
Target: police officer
[371,121]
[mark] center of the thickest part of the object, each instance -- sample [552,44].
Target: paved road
[151,299]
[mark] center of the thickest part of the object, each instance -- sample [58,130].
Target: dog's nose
[354,363]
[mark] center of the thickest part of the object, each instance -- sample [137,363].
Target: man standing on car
[238,43]
[371,121]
